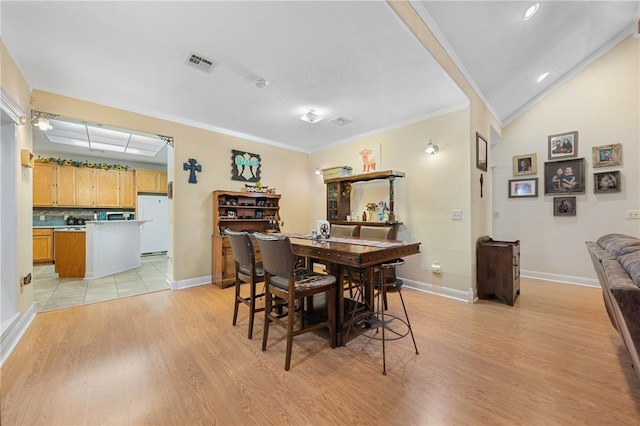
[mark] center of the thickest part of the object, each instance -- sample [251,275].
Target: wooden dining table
[341,253]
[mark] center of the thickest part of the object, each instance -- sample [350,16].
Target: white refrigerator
[154,235]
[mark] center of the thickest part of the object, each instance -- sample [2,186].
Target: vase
[371,212]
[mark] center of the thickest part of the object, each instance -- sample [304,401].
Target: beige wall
[433,186]
[191,208]
[481,120]
[603,105]
[15,86]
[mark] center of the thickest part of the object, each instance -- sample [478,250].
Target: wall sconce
[318,172]
[41,120]
[431,148]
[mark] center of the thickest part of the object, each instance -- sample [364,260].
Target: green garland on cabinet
[89,164]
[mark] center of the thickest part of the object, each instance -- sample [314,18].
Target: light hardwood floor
[173,357]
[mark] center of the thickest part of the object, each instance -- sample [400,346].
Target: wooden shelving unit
[239,211]
[339,198]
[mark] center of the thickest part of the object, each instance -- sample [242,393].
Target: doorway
[9,222]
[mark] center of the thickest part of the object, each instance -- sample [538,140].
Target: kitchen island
[112,247]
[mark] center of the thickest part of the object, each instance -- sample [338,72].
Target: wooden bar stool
[247,271]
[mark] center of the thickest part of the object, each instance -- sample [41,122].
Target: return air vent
[339,121]
[200,62]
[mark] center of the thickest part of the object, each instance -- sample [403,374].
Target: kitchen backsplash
[58,217]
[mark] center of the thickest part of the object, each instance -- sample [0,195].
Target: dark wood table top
[356,252]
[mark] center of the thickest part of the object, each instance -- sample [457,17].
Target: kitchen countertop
[55,227]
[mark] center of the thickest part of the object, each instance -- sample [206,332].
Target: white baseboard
[566,279]
[450,293]
[14,332]
[191,282]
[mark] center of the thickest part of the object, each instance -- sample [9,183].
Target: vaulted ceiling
[351,60]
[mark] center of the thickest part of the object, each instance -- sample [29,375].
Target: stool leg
[408,322]
[383,295]
[236,301]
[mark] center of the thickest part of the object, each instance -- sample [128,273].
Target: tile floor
[51,292]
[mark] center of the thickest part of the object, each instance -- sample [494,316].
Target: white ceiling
[351,59]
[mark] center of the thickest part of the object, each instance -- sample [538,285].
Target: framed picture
[525,164]
[563,145]
[606,155]
[606,182]
[481,152]
[520,188]
[564,206]
[564,176]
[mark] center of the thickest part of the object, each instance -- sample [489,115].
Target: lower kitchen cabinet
[70,254]
[43,245]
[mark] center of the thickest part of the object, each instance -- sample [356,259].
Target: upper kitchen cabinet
[44,184]
[55,185]
[84,187]
[127,189]
[107,188]
[151,181]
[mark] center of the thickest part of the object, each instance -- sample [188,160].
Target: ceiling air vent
[200,62]
[339,121]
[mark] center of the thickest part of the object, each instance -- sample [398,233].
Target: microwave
[119,215]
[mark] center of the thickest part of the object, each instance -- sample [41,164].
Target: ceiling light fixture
[542,76]
[43,124]
[311,117]
[41,120]
[531,11]
[261,83]
[318,172]
[431,148]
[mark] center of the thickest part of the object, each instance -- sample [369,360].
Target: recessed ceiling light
[542,76]
[311,117]
[531,11]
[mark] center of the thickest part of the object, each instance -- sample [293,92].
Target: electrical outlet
[66,216]
[633,214]
[436,268]
[456,214]
[42,217]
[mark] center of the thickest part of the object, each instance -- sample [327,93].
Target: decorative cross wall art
[193,167]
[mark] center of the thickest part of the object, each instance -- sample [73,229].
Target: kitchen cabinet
[70,254]
[44,184]
[151,181]
[239,211]
[42,245]
[107,188]
[84,187]
[65,186]
[127,189]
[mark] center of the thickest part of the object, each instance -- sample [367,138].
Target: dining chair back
[343,230]
[376,232]
[247,271]
[291,285]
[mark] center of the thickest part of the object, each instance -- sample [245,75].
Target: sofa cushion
[619,245]
[608,237]
[631,263]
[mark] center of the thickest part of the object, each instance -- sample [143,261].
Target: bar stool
[379,319]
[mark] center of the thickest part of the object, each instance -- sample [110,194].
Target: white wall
[602,104]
